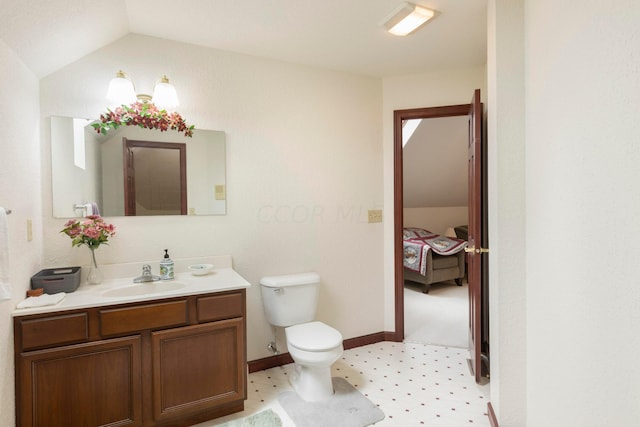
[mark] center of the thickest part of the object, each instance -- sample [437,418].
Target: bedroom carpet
[347,408]
[440,317]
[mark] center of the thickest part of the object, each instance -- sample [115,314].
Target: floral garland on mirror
[144,115]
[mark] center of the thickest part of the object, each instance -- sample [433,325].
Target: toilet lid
[313,336]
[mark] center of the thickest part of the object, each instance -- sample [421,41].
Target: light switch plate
[220,192]
[375,215]
[29,230]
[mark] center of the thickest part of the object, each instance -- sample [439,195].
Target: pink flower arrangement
[91,231]
[144,115]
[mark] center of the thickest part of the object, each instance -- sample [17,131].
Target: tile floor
[413,384]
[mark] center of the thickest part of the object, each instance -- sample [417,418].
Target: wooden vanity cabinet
[172,362]
[196,367]
[92,384]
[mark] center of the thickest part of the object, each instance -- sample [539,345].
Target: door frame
[398,117]
[129,170]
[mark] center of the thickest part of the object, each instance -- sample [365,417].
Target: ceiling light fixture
[121,91]
[407,18]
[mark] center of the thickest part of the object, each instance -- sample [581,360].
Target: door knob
[475,250]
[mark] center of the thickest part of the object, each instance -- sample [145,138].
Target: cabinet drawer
[57,330]
[220,307]
[153,316]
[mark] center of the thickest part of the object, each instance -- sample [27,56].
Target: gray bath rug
[266,418]
[347,408]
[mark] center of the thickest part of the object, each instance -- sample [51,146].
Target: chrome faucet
[146,275]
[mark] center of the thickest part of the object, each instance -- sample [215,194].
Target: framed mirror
[92,173]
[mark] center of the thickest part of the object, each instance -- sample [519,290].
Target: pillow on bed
[413,232]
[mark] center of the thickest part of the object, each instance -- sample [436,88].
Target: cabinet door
[198,367]
[92,384]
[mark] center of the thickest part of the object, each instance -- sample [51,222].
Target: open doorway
[155,178]
[401,116]
[435,201]
[477,250]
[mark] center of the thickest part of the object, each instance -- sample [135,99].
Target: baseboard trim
[492,416]
[363,340]
[269,362]
[285,358]
[393,337]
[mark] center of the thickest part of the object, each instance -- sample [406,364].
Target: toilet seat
[313,336]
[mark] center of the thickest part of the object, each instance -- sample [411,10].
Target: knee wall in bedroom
[435,219]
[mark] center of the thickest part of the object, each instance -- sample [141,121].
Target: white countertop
[223,278]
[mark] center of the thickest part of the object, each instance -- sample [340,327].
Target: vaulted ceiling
[343,35]
[435,164]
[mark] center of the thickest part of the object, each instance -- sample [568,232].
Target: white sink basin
[144,289]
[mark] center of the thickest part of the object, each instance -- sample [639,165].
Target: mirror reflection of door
[155,178]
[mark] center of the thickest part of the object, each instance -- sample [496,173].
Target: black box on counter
[54,280]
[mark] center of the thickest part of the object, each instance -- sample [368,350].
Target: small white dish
[200,269]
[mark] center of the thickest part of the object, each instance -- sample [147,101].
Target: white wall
[582,190]
[447,87]
[507,213]
[568,144]
[435,163]
[20,192]
[302,172]
[436,220]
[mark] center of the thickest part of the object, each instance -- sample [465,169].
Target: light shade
[121,90]
[165,96]
[407,18]
[450,232]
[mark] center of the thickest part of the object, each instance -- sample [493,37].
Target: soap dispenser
[166,267]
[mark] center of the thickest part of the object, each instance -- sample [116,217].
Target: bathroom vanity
[175,357]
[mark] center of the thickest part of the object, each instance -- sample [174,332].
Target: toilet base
[312,383]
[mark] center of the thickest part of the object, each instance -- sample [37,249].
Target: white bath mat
[266,418]
[347,408]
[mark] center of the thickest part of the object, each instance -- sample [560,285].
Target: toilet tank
[290,299]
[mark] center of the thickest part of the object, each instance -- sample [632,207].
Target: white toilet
[290,301]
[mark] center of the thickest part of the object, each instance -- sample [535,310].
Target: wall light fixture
[407,18]
[121,91]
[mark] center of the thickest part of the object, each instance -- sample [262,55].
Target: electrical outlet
[375,215]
